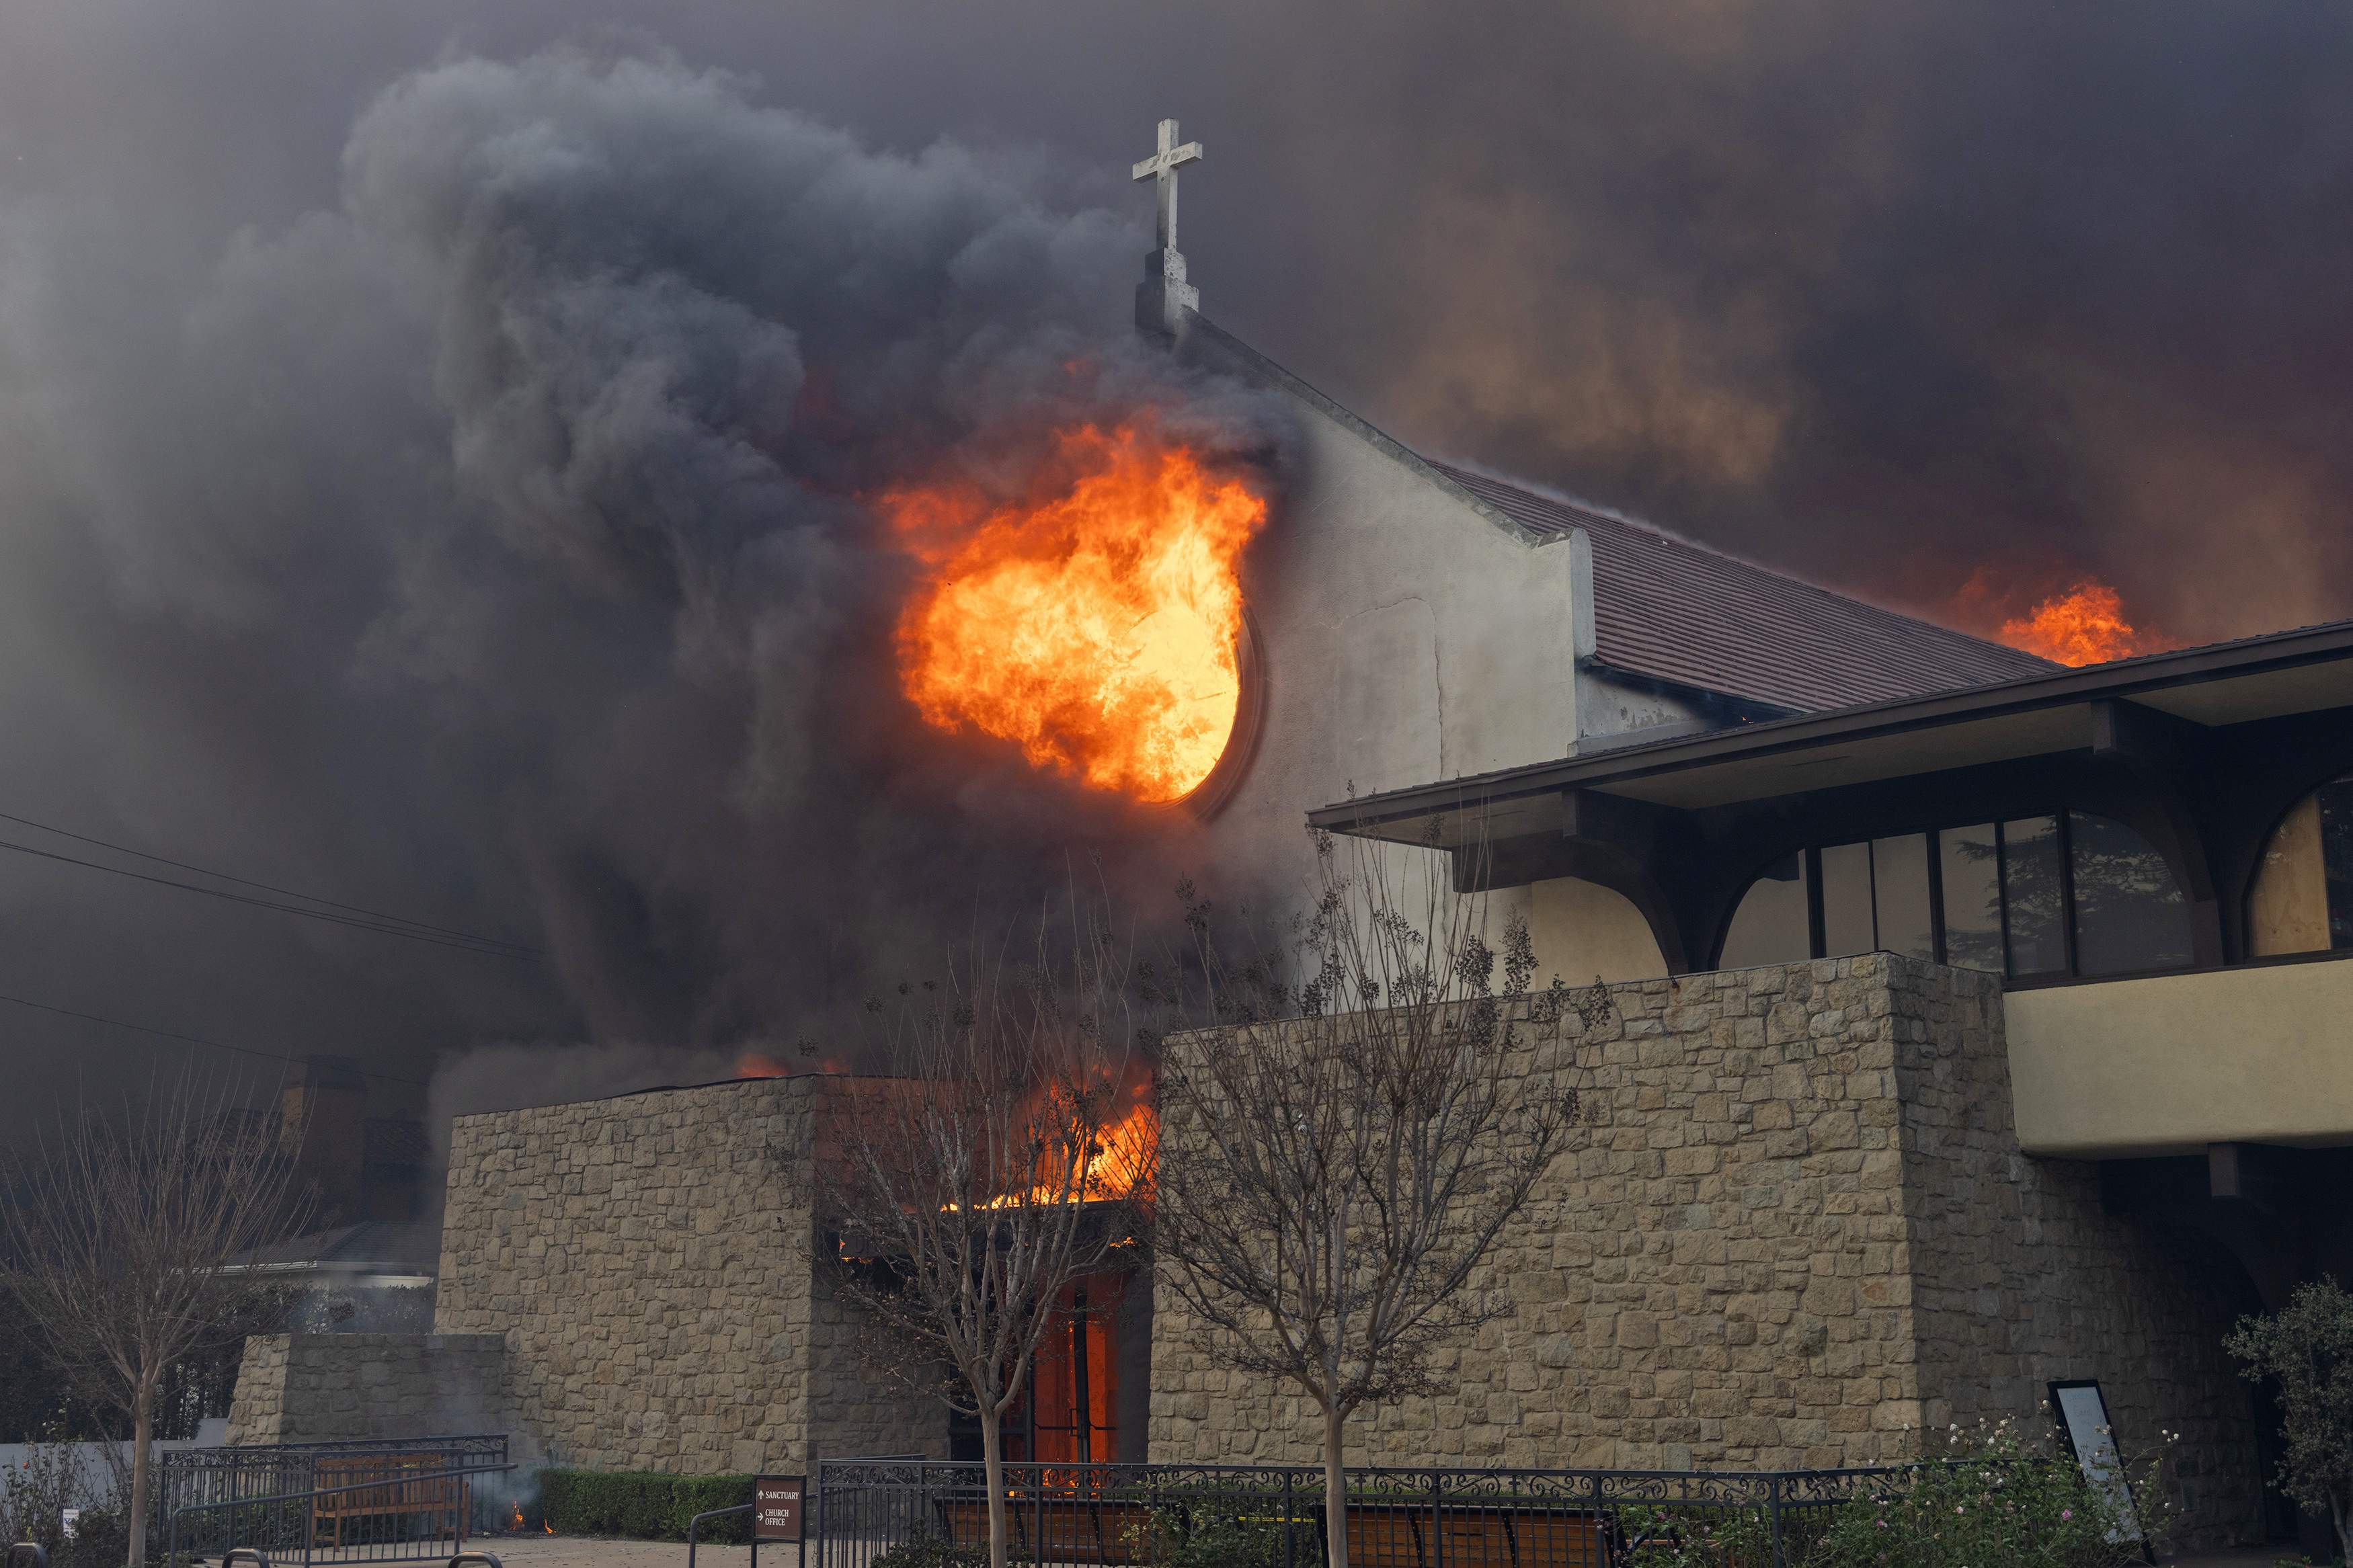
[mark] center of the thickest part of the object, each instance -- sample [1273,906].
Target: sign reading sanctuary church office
[777,1514]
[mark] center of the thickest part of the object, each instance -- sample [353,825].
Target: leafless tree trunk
[1010,1159]
[119,1232]
[1341,1153]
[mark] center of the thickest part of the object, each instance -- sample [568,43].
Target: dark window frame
[2063,837]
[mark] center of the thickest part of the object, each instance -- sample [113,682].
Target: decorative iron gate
[1254,1515]
[386,1500]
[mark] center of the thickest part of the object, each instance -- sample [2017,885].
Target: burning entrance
[1099,630]
[1087,1394]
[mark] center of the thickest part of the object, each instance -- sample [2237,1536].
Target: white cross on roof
[1163,166]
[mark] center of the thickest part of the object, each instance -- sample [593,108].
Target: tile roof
[1678,612]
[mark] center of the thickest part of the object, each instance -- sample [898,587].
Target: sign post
[776,1510]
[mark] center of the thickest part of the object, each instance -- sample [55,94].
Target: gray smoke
[423,466]
[519,505]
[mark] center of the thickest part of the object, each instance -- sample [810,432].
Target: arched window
[2129,911]
[2067,894]
[2302,900]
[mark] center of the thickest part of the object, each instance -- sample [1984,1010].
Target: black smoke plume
[1882,294]
[522,503]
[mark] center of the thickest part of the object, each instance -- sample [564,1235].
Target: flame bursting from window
[2082,624]
[1099,630]
[1119,1165]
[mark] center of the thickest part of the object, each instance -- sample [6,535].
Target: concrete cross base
[1164,295]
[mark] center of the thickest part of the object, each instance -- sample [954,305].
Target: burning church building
[1974,1020]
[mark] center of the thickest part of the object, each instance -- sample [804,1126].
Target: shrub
[2308,1350]
[1696,1537]
[1200,1537]
[641,1506]
[101,1540]
[1995,1497]
[35,1491]
[936,1551]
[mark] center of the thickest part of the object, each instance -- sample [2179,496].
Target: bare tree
[118,1233]
[1341,1153]
[1008,1162]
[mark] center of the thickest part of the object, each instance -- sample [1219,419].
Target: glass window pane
[2288,910]
[1770,926]
[1972,868]
[1899,883]
[2130,912]
[2030,868]
[1846,901]
[2337,858]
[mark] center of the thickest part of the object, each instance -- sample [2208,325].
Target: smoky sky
[431,436]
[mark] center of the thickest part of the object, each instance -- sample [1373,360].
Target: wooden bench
[1380,1535]
[377,1486]
[1506,1535]
[1056,1528]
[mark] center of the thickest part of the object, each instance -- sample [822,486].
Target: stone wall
[650,1261]
[324,1388]
[1795,1232]
[2022,1278]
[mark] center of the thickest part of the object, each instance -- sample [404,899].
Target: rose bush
[1995,1499]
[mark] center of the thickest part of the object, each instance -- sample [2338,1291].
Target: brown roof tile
[1678,612]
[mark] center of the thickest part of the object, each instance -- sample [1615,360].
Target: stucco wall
[2170,1063]
[1800,1231]
[1403,637]
[1583,932]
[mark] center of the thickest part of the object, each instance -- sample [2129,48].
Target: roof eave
[2124,679]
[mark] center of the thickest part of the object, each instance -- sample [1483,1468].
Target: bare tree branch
[1009,1159]
[119,1233]
[1341,1152]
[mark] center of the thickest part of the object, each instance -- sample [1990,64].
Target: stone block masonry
[327,1388]
[1797,1234]
[625,1284]
[650,1261]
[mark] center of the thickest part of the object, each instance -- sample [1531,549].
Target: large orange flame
[1101,630]
[1120,1164]
[2083,624]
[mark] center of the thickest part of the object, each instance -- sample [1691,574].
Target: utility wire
[189,1039]
[264,887]
[354,917]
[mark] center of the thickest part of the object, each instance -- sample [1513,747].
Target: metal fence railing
[1248,1516]
[388,1500]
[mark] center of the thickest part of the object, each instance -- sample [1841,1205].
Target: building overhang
[338,1274]
[2287,673]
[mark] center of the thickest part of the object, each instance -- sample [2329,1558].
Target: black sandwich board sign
[777,1512]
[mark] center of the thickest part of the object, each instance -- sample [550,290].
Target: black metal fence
[389,1501]
[877,1513]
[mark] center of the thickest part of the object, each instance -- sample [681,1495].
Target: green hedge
[641,1506]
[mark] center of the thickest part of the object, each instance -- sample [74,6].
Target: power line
[351,915]
[264,887]
[190,1039]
